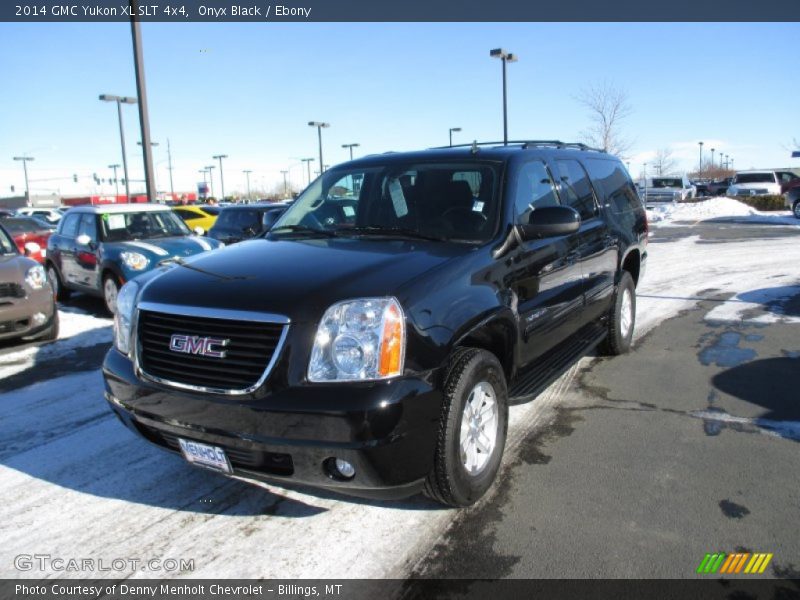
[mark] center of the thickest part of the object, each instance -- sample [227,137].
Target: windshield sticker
[348,211]
[114,221]
[398,198]
[477,206]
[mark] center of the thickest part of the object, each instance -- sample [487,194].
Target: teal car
[96,249]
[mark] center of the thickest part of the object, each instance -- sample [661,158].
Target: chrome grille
[250,352]
[11,290]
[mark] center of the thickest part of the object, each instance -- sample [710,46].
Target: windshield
[6,244]
[239,219]
[755,178]
[120,227]
[668,182]
[443,201]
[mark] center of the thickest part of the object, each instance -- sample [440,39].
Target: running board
[533,380]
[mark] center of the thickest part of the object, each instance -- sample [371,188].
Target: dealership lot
[654,458]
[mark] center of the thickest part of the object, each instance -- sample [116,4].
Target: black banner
[264,11]
[750,588]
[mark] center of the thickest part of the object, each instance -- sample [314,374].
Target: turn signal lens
[391,361]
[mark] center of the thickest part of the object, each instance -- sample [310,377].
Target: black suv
[373,340]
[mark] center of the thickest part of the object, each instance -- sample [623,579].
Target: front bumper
[386,430]
[22,317]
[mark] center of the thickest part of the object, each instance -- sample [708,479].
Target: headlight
[126,302]
[359,340]
[134,260]
[35,277]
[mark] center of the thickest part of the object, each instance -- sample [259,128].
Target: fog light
[39,318]
[345,469]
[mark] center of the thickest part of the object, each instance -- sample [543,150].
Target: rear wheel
[796,209]
[472,429]
[60,292]
[110,292]
[622,318]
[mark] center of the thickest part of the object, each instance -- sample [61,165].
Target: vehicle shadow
[781,300]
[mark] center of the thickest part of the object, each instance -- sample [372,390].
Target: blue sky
[248,90]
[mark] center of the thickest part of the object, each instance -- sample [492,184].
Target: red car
[29,235]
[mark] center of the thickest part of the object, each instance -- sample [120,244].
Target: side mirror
[83,240]
[199,231]
[268,219]
[32,248]
[550,221]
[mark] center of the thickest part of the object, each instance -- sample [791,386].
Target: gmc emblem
[194,344]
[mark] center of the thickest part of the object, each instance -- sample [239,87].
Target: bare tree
[608,107]
[664,163]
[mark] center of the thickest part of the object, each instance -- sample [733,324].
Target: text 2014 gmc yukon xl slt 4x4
[372,342]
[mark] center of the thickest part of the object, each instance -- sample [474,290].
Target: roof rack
[526,144]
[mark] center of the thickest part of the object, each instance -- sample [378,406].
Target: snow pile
[717,208]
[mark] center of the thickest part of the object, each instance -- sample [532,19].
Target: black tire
[51,333]
[796,209]
[61,293]
[450,482]
[618,341]
[109,300]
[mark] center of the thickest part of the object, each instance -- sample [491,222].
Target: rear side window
[613,182]
[88,226]
[534,189]
[185,215]
[575,188]
[70,226]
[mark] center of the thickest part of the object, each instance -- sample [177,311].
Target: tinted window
[534,189]
[755,178]
[186,214]
[575,188]
[70,226]
[88,226]
[6,243]
[239,219]
[614,183]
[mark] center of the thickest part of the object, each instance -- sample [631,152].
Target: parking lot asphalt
[687,445]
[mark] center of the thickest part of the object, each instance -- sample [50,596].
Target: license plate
[204,455]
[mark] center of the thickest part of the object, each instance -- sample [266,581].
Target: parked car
[5,213]
[719,187]
[667,189]
[98,248]
[755,183]
[197,216]
[240,222]
[372,341]
[701,187]
[51,215]
[27,305]
[788,180]
[30,235]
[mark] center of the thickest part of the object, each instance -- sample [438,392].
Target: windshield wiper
[179,261]
[302,229]
[389,231]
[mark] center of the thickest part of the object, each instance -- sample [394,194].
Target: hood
[298,278]
[13,268]
[158,249]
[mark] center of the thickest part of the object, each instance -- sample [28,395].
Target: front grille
[273,463]
[249,351]
[14,326]
[11,290]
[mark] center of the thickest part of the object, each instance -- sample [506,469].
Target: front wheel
[472,429]
[110,292]
[622,318]
[59,291]
[796,209]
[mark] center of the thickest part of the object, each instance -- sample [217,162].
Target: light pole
[155,173]
[645,183]
[169,159]
[285,188]
[308,162]
[506,57]
[319,125]
[712,158]
[25,160]
[120,100]
[701,158]
[116,181]
[209,168]
[221,178]
[351,146]
[732,165]
[247,174]
[452,129]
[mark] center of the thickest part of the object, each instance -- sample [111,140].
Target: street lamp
[25,160]
[319,125]
[506,57]
[645,183]
[120,100]
[351,146]
[308,162]
[712,158]
[247,174]
[209,168]
[452,129]
[285,187]
[219,157]
[701,158]
[116,181]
